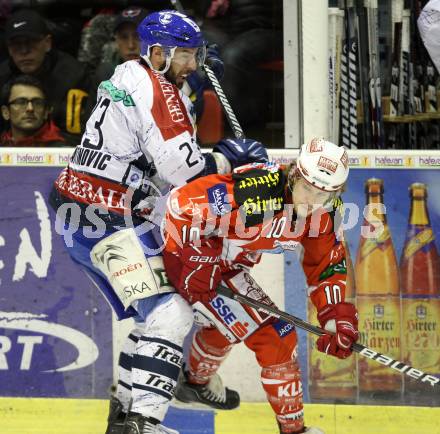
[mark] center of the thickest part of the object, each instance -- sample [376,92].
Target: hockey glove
[242,151]
[341,319]
[195,271]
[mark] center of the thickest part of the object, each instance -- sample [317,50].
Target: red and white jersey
[141,134]
[227,206]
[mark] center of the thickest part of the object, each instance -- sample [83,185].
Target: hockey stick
[358,348]
[230,115]
[367,85]
[416,59]
[335,23]
[373,37]
[397,7]
[227,109]
[349,77]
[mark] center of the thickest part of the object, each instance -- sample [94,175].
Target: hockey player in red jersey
[216,229]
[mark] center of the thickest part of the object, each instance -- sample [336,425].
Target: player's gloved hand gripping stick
[358,348]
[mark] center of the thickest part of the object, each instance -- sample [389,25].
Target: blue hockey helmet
[170,29]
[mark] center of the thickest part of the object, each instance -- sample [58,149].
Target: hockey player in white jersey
[140,140]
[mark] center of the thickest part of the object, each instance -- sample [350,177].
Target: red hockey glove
[194,271]
[342,319]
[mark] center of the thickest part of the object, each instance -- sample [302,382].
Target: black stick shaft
[230,115]
[358,348]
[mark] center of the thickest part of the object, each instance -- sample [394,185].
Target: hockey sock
[208,350]
[156,367]
[123,391]
[158,357]
[283,387]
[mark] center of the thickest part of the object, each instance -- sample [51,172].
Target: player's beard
[172,78]
[169,75]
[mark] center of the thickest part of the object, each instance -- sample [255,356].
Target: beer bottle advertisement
[420,284]
[332,379]
[378,297]
[395,287]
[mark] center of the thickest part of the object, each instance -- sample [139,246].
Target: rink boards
[56,342]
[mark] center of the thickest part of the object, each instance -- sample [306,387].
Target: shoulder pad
[258,190]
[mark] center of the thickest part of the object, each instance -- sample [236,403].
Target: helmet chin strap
[331,199]
[295,174]
[169,54]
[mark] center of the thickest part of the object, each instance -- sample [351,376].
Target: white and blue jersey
[139,140]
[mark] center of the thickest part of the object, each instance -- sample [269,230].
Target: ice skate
[306,430]
[116,417]
[212,395]
[138,424]
[309,430]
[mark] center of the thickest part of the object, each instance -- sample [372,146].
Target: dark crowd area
[54,54]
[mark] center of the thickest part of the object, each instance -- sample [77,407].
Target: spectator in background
[126,36]
[30,49]
[127,46]
[248,32]
[25,107]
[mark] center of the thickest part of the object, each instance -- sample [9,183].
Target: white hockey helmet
[323,164]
